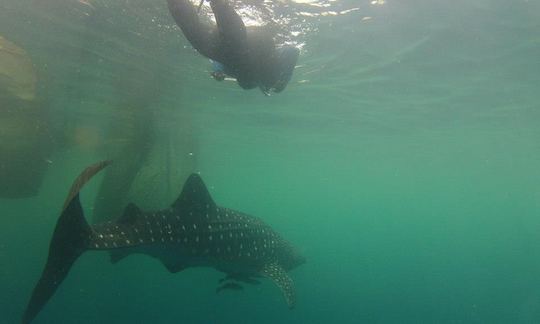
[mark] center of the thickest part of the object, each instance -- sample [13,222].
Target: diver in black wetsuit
[248,54]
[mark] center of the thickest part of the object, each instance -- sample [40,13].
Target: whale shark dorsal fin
[279,276]
[194,196]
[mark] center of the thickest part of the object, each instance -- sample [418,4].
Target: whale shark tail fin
[70,239]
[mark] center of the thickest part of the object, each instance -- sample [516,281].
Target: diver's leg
[234,44]
[230,25]
[202,37]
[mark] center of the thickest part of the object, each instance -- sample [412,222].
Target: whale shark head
[292,258]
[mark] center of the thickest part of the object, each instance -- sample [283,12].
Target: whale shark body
[194,231]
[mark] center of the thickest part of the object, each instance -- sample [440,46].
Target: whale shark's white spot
[128,241]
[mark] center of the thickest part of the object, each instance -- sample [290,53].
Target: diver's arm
[203,38]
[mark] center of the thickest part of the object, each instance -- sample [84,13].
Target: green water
[402,160]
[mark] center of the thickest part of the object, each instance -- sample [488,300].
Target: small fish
[240,277]
[230,286]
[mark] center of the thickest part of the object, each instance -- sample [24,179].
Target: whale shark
[193,232]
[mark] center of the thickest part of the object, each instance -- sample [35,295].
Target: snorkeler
[248,54]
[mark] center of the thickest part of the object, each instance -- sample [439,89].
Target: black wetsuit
[248,53]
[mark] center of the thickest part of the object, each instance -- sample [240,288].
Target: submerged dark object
[194,231]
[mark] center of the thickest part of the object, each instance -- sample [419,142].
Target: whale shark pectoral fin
[117,255]
[173,267]
[279,276]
